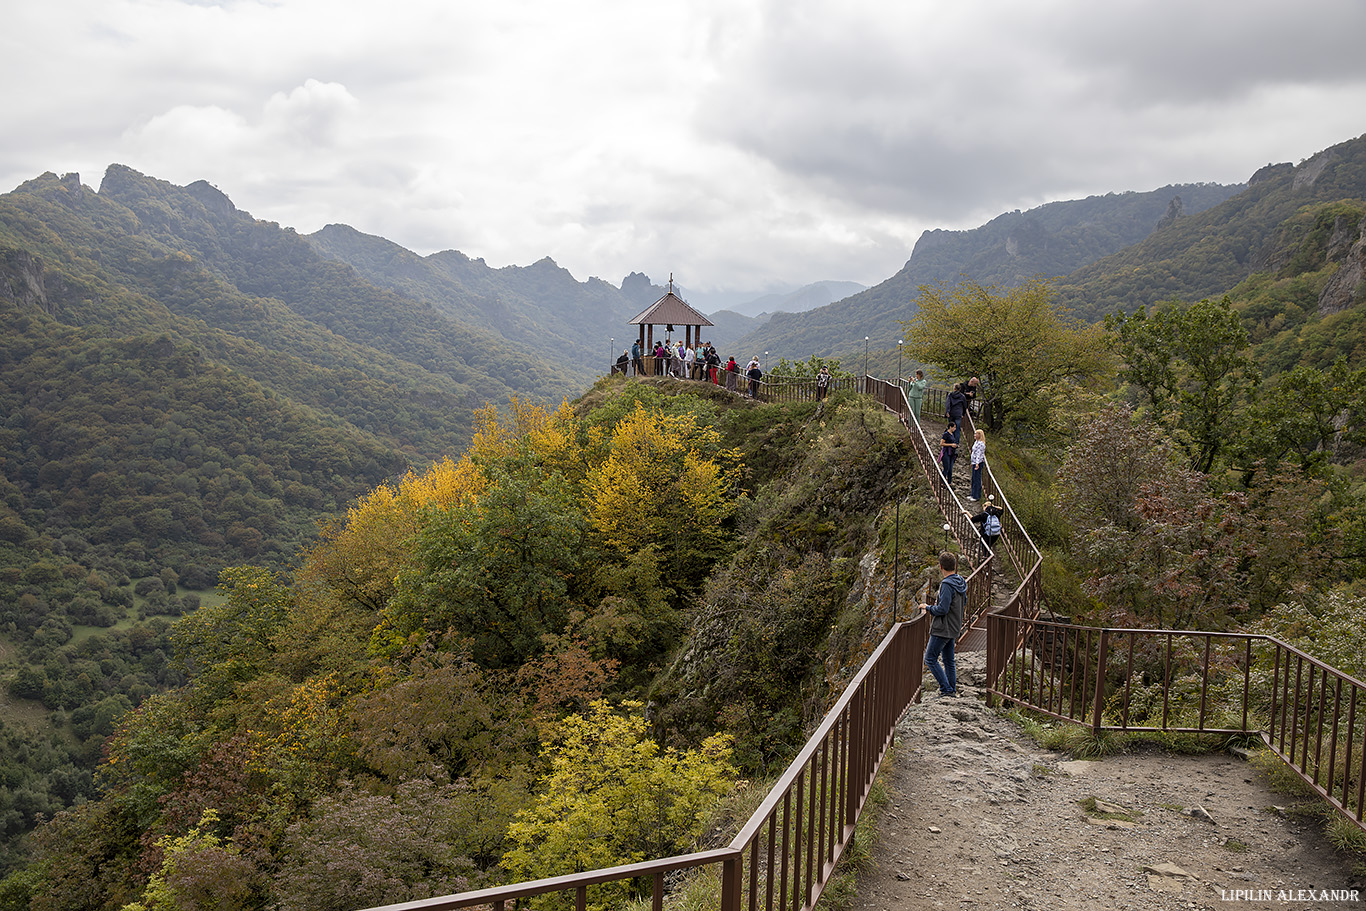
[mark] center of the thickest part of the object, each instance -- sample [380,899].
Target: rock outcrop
[1348,284]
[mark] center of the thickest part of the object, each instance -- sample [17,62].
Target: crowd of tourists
[681,361]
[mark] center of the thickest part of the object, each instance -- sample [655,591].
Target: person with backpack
[947,625]
[636,364]
[990,520]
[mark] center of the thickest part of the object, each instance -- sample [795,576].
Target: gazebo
[669,311]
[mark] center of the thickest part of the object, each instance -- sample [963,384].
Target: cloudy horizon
[740,145]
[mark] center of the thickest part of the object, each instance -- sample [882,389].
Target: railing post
[730,881]
[1099,706]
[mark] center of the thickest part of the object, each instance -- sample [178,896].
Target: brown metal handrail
[1025,556]
[784,855]
[1310,714]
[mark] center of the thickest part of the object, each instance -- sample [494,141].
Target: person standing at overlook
[947,624]
[915,392]
[822,383]
[970,394]
[754,372]
[635,358]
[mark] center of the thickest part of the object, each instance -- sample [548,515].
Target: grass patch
[1100,809]
[1236,846]
[1076,740]
[1344,833]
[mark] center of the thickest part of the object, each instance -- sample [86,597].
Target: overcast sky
[739,144]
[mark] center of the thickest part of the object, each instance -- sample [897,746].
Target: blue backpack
[992,526]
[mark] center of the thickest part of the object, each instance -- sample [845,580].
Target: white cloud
[737,143]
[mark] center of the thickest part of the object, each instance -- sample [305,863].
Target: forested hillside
[540,307]
[1052,240]
[453,664]
[1208,254]
[183,388]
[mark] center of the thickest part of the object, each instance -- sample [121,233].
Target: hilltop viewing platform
[979,816]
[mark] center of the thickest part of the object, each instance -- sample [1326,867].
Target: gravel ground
[980,817]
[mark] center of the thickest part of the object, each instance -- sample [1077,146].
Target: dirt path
[980,817]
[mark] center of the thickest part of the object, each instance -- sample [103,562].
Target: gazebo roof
[671,310]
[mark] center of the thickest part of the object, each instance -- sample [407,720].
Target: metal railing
[1310,714]
[765,389]
[782,858]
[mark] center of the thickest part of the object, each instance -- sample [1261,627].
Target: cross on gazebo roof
[671,310]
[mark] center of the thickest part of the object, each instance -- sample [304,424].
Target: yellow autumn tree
[613,796]
[666,486]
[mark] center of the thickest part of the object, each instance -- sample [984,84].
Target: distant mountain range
[1117,251]
[1053,239]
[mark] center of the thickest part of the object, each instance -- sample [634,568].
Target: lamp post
[899,343]
[896,567]
[947,528]
[865,358]
[611,350]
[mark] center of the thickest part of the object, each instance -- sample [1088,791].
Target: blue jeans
[947,675]
[976,482]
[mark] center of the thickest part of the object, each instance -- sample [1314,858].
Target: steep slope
[1207,254]
[541,307]
[1054,239]
[183,388]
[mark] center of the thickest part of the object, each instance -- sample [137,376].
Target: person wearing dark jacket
[947,625]
[948,450]
[956,405]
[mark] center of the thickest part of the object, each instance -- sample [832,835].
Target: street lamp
[947,528]
[611,351]
[899,343]
[865,356]
[896,567]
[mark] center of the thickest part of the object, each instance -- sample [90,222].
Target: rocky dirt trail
[980,817]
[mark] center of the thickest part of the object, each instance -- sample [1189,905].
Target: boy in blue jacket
[947,624]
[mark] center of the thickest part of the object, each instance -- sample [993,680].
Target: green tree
[496,571]
[1014,339]
[1194,365]
[230,642]
[1303,412]
[201,871]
